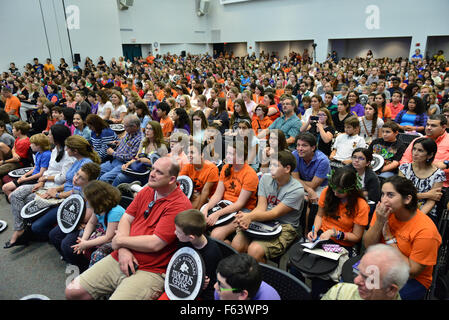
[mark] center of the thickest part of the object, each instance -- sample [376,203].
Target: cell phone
[135,268]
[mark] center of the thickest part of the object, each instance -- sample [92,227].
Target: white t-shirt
[115,113]
[345,145]
[250,107]
[102,109]
[365,133]
[58,169]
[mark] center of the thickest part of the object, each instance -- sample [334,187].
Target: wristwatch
[57,195]
[391,241]
[446,162]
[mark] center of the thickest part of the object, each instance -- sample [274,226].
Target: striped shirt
[100,142]
[128,146]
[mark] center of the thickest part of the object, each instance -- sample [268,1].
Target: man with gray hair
[382,272]
[127,149]
[145,241]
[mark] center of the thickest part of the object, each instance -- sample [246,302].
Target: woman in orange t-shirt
[343,211]
[258,94]
[341,218]
[232,96]
[398,222]
[204,175]
[273,110]
[384,111]
[238,184]
[261,120]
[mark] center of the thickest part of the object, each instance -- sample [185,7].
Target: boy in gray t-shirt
[281,198]
[6,142]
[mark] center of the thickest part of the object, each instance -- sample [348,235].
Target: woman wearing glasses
[361,160]
[152,143]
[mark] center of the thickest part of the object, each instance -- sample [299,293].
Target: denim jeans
[413,290]
[42,226]
[63,242]
[110,170]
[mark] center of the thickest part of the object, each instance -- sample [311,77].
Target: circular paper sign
[186,185]
[220,205]
[153,157]
[70,213]
[264,230]
[32,209]
[3,225]
[378,162]
[118,127]
[19,172]
[35,297]
[185,275]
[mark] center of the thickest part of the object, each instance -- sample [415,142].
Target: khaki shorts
[276,247]
[105,277]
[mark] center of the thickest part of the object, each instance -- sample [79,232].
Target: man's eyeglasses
[147,212]
[222,289]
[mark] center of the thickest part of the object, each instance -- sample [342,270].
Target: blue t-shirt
[86,133]
[319,167]
[42,161]
[290,127]
[113,216]
[408,119]
[72,171]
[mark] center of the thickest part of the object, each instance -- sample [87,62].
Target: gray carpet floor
[32,269]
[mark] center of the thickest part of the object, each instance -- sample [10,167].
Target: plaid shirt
[128,147]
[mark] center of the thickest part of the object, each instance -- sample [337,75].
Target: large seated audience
[282,139]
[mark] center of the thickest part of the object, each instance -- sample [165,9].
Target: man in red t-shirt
[144,243]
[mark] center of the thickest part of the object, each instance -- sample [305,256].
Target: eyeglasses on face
[358,158]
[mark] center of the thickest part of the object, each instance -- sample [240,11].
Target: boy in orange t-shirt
[12,103]
[162,111]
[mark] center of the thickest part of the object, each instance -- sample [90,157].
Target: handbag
[138,166]
[315,266]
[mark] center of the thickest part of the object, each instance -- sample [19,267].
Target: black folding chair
[125,201]
[226,249]
[288,286]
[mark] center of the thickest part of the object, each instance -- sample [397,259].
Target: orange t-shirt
[13,103]
[160,95]
[245,179]
[230,105]
[418,239]
[261,124]
[344,223]
[279,93]
[150,59]
[380,115]
[167,126]
[257,100]
[277,114]
[208,173]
